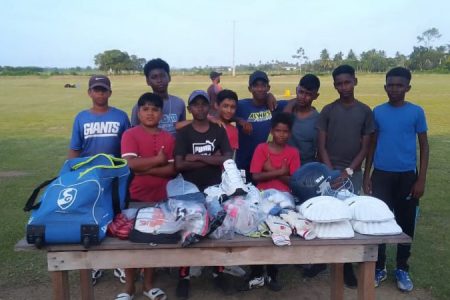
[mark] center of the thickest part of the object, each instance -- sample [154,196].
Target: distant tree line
[424,58]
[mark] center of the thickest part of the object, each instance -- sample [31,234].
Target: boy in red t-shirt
[274,162]
[226,104]
[149,152]
[272,165]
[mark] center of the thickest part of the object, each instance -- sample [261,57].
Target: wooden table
[115,253]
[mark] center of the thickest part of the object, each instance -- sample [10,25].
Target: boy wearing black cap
[201,148]
[213,90]
[254,117]
[100,128]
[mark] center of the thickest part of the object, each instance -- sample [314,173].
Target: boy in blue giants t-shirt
[100,128]
[395,178]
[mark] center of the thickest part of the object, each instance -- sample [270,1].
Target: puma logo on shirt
[206,148]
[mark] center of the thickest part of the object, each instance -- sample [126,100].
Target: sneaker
[404,282]
[120,273]
[236,271]
[273,284]
[96,274]
[380,275]
[312,271]
[251,283]
[222,283]
[232,183]
[183,287]
[349,276]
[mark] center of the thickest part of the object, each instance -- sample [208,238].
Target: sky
[63,33]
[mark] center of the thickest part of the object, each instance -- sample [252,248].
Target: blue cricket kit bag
[78,205]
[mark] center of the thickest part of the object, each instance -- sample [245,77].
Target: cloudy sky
[65,33]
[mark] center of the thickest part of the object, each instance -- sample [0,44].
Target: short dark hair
[310,82]
[156,63]
[283,118]
[226,94]
[150,98]
[400,72]
[343,69]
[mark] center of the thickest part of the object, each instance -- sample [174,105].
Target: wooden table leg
[366,281]
[60,282]
[87,289]
[337,281]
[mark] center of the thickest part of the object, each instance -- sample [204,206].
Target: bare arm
[321,145]
[181,124]
[216,120]
[142,165]
[246,126]
[289,108]
[181,164]
[418,188]
[268,175]
[271,102]
[167,171]
[357,160]
[215,160]
[269,172]
[367,184]
[73,153]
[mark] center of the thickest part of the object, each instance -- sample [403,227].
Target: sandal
[156,294]
[124,296]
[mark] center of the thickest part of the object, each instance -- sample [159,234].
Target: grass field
[36,115]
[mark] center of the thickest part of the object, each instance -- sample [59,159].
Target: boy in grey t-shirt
[345,127]
[304,131]
[157,75]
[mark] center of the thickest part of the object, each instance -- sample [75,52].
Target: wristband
[349,171]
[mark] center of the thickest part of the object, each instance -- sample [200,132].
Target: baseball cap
[99,80]
[214,74]
[257,75]
[198,93]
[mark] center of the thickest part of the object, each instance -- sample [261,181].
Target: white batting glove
[301,226]
[280,230]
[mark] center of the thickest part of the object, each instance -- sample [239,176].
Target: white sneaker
[96,274]
[236,271]
[120,273]
[251,283]
[232,183]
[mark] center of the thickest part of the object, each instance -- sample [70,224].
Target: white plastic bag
[179,186]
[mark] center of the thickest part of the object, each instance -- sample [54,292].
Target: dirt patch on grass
[5,174]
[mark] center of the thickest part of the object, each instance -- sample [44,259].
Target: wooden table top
[110,243]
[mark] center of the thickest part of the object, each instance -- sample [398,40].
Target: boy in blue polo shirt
[254,119]
[395,178]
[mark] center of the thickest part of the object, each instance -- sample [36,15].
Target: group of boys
[162,143]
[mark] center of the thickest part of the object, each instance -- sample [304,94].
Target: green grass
[36,116]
